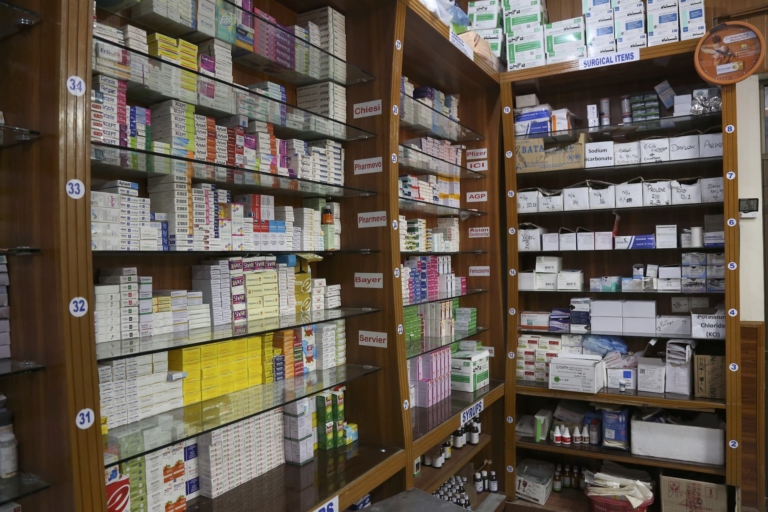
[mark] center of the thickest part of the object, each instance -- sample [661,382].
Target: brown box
[532,156]
[710,376]
[680,495]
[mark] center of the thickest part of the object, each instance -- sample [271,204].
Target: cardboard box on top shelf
[532,156]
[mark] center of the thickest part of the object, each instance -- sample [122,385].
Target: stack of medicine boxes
[331,26]
[298,440]
[692,21]
[601,31]
[629,23]
[524,30]
[663,22]
[485,19]
[565,40]
[330,419]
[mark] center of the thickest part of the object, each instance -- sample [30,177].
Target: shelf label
[471,411]
[368,280]
[75,189]
[85,418]
[491,351]
[371,219]
[367,109]
[76,85]
[461,45]
[610,60]
[477,154]
[372,339]
[477,197]
[479,271]
[478,165]
[368,165]
[479,232]
[330,506]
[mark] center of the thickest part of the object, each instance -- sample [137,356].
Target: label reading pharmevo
[477,197]
[471,411]
[367,109]
[477,154]
[368,165]
[330,506]
[369,280]
[610,59]
[480,271]
[372,339]
[480,232]
[371,219]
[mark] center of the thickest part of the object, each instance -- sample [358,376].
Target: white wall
[749,119]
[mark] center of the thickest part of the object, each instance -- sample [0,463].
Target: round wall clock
[729,53]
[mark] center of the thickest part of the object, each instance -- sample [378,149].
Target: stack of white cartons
[327,99]
[285,214]
[237,289]
[402,230]
[109,33]
[208,279]
[112,392]
[405,279]
[416,239]
[128,282]
[325,345]
[318,294]
[136,39]
[629,21]
[286,284]
[170,195]
[159,222]
[331,26]
[304,220]
[692,20]
[332,296]
[297,159]
[486,20]
[601,31]
[341,341]
[565,40]
[203,216]
[225,225]
[317,59]
[663,22]
[222,55]
[216,94]
[198,313]
[129,215]
[107,312]
[105,221]
[449,228]
[335,156]
[146,318]
[180,314]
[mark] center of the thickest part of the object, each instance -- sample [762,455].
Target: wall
[750,185]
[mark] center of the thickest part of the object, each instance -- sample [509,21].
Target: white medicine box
[656,193]
[529,237]
[687,191]
[549,264]
[585,240]
[654,150]
[550,200]
[581,375]
[629,194]
[685,147]
[602,195]
[627,153]
[599,154]
[712,190]
[576,197]
[550,242]
[651,374]
[528,200]
[567,239]
[526,280]
[710,145]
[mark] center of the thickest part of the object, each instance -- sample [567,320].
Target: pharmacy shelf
[416,206]
[630,334]
[703,206]
[20,486]
[417,347]
[713,163]
[14,19]
[581,292]
[446,296]
[110,162]
[307,487]
[331,68]
[491,502]
[434,424]
[670,126]
[600,453]
[432,478]
[567,500]
[622,251]
[19,251]
[15,367]
[11,135]
[289,121]
[113,350]
[241,253]
[628,397]
[414,161]
[423,121]
[197,419]
[430,253]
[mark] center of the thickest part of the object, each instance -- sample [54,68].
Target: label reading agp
[480,271]
[479,232]
[371,219]
[368,280]
[471,411]
[477,197]
[372,339]
[477,154]
[368,165]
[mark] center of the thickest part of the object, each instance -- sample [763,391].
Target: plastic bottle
[447,449]
[594,432]
[438,462]
[474,435]
[463,436]
[9,460]
[557,484]
[478,483]
[558,436]
[484,474]
[493,484]
[567,477]
[566,437]
[479,425]
[576,436]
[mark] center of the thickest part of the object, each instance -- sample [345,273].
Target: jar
[9,460]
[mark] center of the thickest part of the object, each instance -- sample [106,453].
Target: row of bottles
[570,479]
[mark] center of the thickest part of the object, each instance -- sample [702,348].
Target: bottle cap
[6,436]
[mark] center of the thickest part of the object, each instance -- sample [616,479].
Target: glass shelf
[426,253]
[19,251]
[130,348]
[424,419]
[670,126]
[445,296]
[328,67]
[418,347]
[632,335]
[245,253]
[613,251]
[14,19]
[10,135]
[289,121]
[414,205]
[14,367]
[416,162]
[620,210]
[423,121]
[127,442]
[301,488]
[713,162]
[20,486]
[114,161]
[619,293]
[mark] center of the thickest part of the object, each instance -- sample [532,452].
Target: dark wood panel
[753,415]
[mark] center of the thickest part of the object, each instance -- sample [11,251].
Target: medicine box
[585,375]
[651,374]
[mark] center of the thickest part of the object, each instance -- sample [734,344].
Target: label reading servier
[372,339]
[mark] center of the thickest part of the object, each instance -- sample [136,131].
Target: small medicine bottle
[478,483]
[9,460]
[484,474]
[557,483]
[447,449]
[493,483]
